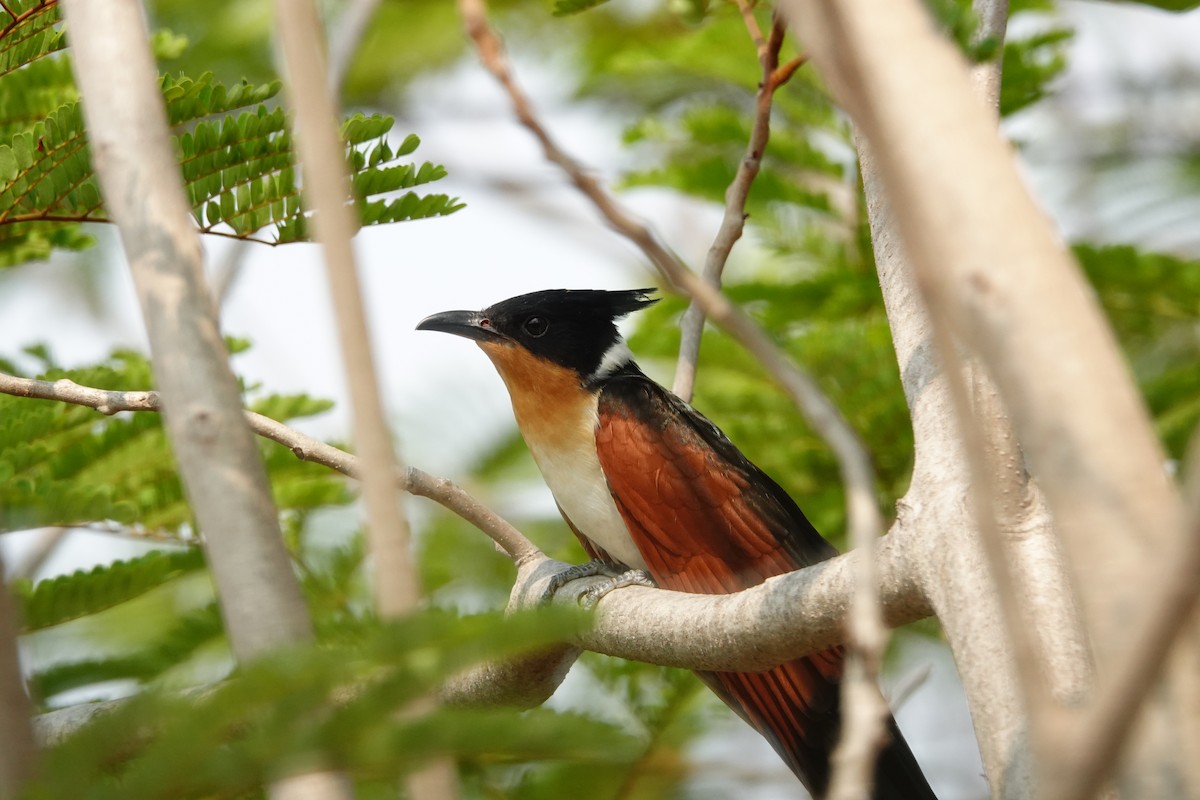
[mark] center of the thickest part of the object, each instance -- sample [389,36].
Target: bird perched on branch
[649,484]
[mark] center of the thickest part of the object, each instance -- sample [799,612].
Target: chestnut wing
[705,519]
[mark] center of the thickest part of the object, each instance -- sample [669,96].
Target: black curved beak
[471,324]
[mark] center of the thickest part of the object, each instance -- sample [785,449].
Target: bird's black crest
[578,303]
[575,328]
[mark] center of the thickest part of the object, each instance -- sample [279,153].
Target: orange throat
[552,408]
[558,418]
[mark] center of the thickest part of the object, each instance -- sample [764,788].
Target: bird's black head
[573,328]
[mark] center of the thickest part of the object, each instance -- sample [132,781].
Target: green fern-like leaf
[28,32]
[234,149]
[67,597]
[28,94]
[68,465]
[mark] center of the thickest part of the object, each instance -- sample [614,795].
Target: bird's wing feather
[703,516]
[708,521]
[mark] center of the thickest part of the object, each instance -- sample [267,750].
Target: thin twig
[746,9]
[397,589]
[733,223]
[18,19]
[492,54]
[306,448]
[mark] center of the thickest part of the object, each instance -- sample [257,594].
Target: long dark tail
[797,707]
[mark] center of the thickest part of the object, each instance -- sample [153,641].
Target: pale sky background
[443,394]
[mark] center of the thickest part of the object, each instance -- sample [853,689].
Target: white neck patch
[617,356]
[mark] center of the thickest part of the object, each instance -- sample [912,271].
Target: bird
[651,487]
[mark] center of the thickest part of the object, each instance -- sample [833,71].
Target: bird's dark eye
[536,326]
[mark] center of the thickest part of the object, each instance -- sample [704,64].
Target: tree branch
[963,210]
[219,463]
[306,448]
[396,586]
[786,617]
[951,561]
[733,223]
[218,460]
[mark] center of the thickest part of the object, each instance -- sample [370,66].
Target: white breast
[577,482]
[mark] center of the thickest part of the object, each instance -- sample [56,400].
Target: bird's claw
[632,577]
[616,576]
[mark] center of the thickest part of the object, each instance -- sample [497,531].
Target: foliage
[332,707]
[234,148]
[181,641]
[66,597]
[64,465]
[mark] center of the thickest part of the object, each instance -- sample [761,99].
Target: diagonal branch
[306,448]
[495,59]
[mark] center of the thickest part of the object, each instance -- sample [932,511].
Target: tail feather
[797,708]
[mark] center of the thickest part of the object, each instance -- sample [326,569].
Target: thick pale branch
[1017,298]
[1014,298]
[527,681]
[784,618]
[306,448]
[954,563]
[218,461]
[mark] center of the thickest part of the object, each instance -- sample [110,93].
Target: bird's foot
[616,576]
[630,577]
